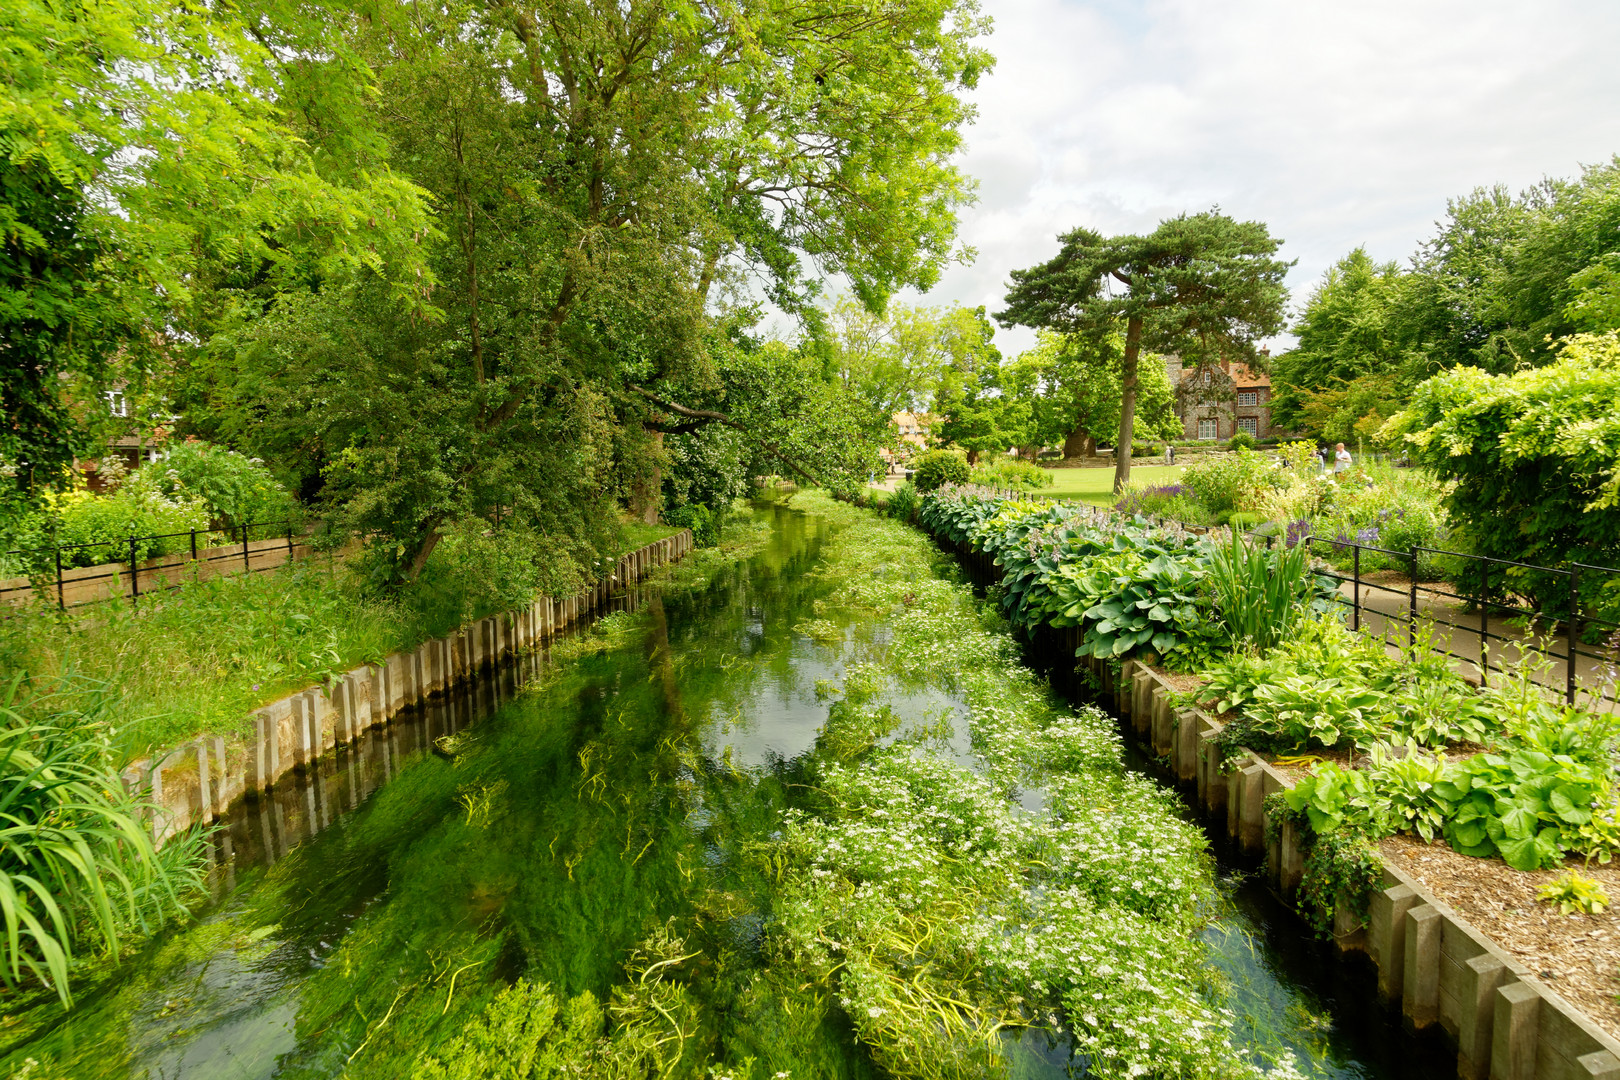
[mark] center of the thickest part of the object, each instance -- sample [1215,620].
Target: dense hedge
[1535,457]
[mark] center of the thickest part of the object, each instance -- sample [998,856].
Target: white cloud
[1335,123]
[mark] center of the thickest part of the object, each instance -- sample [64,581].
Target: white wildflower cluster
[944,911]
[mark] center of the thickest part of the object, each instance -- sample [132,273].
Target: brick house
[1219,402]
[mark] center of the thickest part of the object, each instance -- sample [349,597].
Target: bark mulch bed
[1578,955]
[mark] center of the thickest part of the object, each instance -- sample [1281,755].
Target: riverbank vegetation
[1082,914]
[1502,281]
[79,876]
[200,657]
[1390,744]
[951,857]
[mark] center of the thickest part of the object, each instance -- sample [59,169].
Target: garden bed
[1366,744]
[1578,953]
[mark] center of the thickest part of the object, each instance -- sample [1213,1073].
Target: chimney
[1172,370]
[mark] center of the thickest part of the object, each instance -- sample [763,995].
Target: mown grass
[1097,485]
[200,658]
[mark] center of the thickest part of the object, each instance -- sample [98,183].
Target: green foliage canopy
[142,151]
[1503,278]
[1535,457]
[607,176]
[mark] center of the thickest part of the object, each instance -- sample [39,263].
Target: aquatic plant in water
[942,912]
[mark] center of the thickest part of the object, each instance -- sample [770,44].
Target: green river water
[545,822]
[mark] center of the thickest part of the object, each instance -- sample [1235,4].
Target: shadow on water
[541,822]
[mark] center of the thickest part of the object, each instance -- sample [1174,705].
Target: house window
[1248,397]
[1207,429]
[1249,424]
[117,404]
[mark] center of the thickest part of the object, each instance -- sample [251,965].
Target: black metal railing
[1559,633]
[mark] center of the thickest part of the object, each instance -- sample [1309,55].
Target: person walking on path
[1341,458]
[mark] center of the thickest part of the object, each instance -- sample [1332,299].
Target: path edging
[1507,1023]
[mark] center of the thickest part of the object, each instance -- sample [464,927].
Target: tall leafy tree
[607,176]
[905,357]
[1351,355]
[1073,384]
[140,149]
[1200,284]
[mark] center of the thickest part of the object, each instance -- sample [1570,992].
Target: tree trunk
[973,457]
[1127,403]
[1030,452]
[645,490]
[1079,444]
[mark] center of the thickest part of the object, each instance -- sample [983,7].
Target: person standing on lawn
[1341,458]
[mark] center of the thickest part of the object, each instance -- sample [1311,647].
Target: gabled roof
[1245,379]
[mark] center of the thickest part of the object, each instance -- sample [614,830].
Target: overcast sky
[1336,123]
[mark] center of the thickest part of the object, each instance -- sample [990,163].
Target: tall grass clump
[904,503]
[78,870]
[203,656]
[1261,593]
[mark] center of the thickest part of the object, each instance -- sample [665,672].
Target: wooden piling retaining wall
[198,781]
[1506,1023]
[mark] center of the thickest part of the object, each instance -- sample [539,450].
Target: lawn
[1097,485]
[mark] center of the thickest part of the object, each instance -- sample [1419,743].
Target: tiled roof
[1244,379]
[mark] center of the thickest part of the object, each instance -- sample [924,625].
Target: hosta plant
[1574,892]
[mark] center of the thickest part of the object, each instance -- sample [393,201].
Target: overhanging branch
[708,416]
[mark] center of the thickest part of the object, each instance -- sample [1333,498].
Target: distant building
[1218,402]
[910,435]
[913,427]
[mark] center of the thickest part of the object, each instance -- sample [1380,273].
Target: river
[541,823]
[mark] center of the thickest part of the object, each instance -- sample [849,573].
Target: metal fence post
[245,565]
[1484,623]
[1355,593]
[1411,611]
[1573,626]
[134,572]
[61,603]
[289,542]
[193,545]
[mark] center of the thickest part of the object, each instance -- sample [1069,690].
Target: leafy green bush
[939,467]
[236,489]
[1573,892]
[904,502]
[1535,456]
[1126,584]
[1232,482]
[1328,686]
[103,524]
[1174,501]
[1011,473]
[1241,440]
[703,521]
